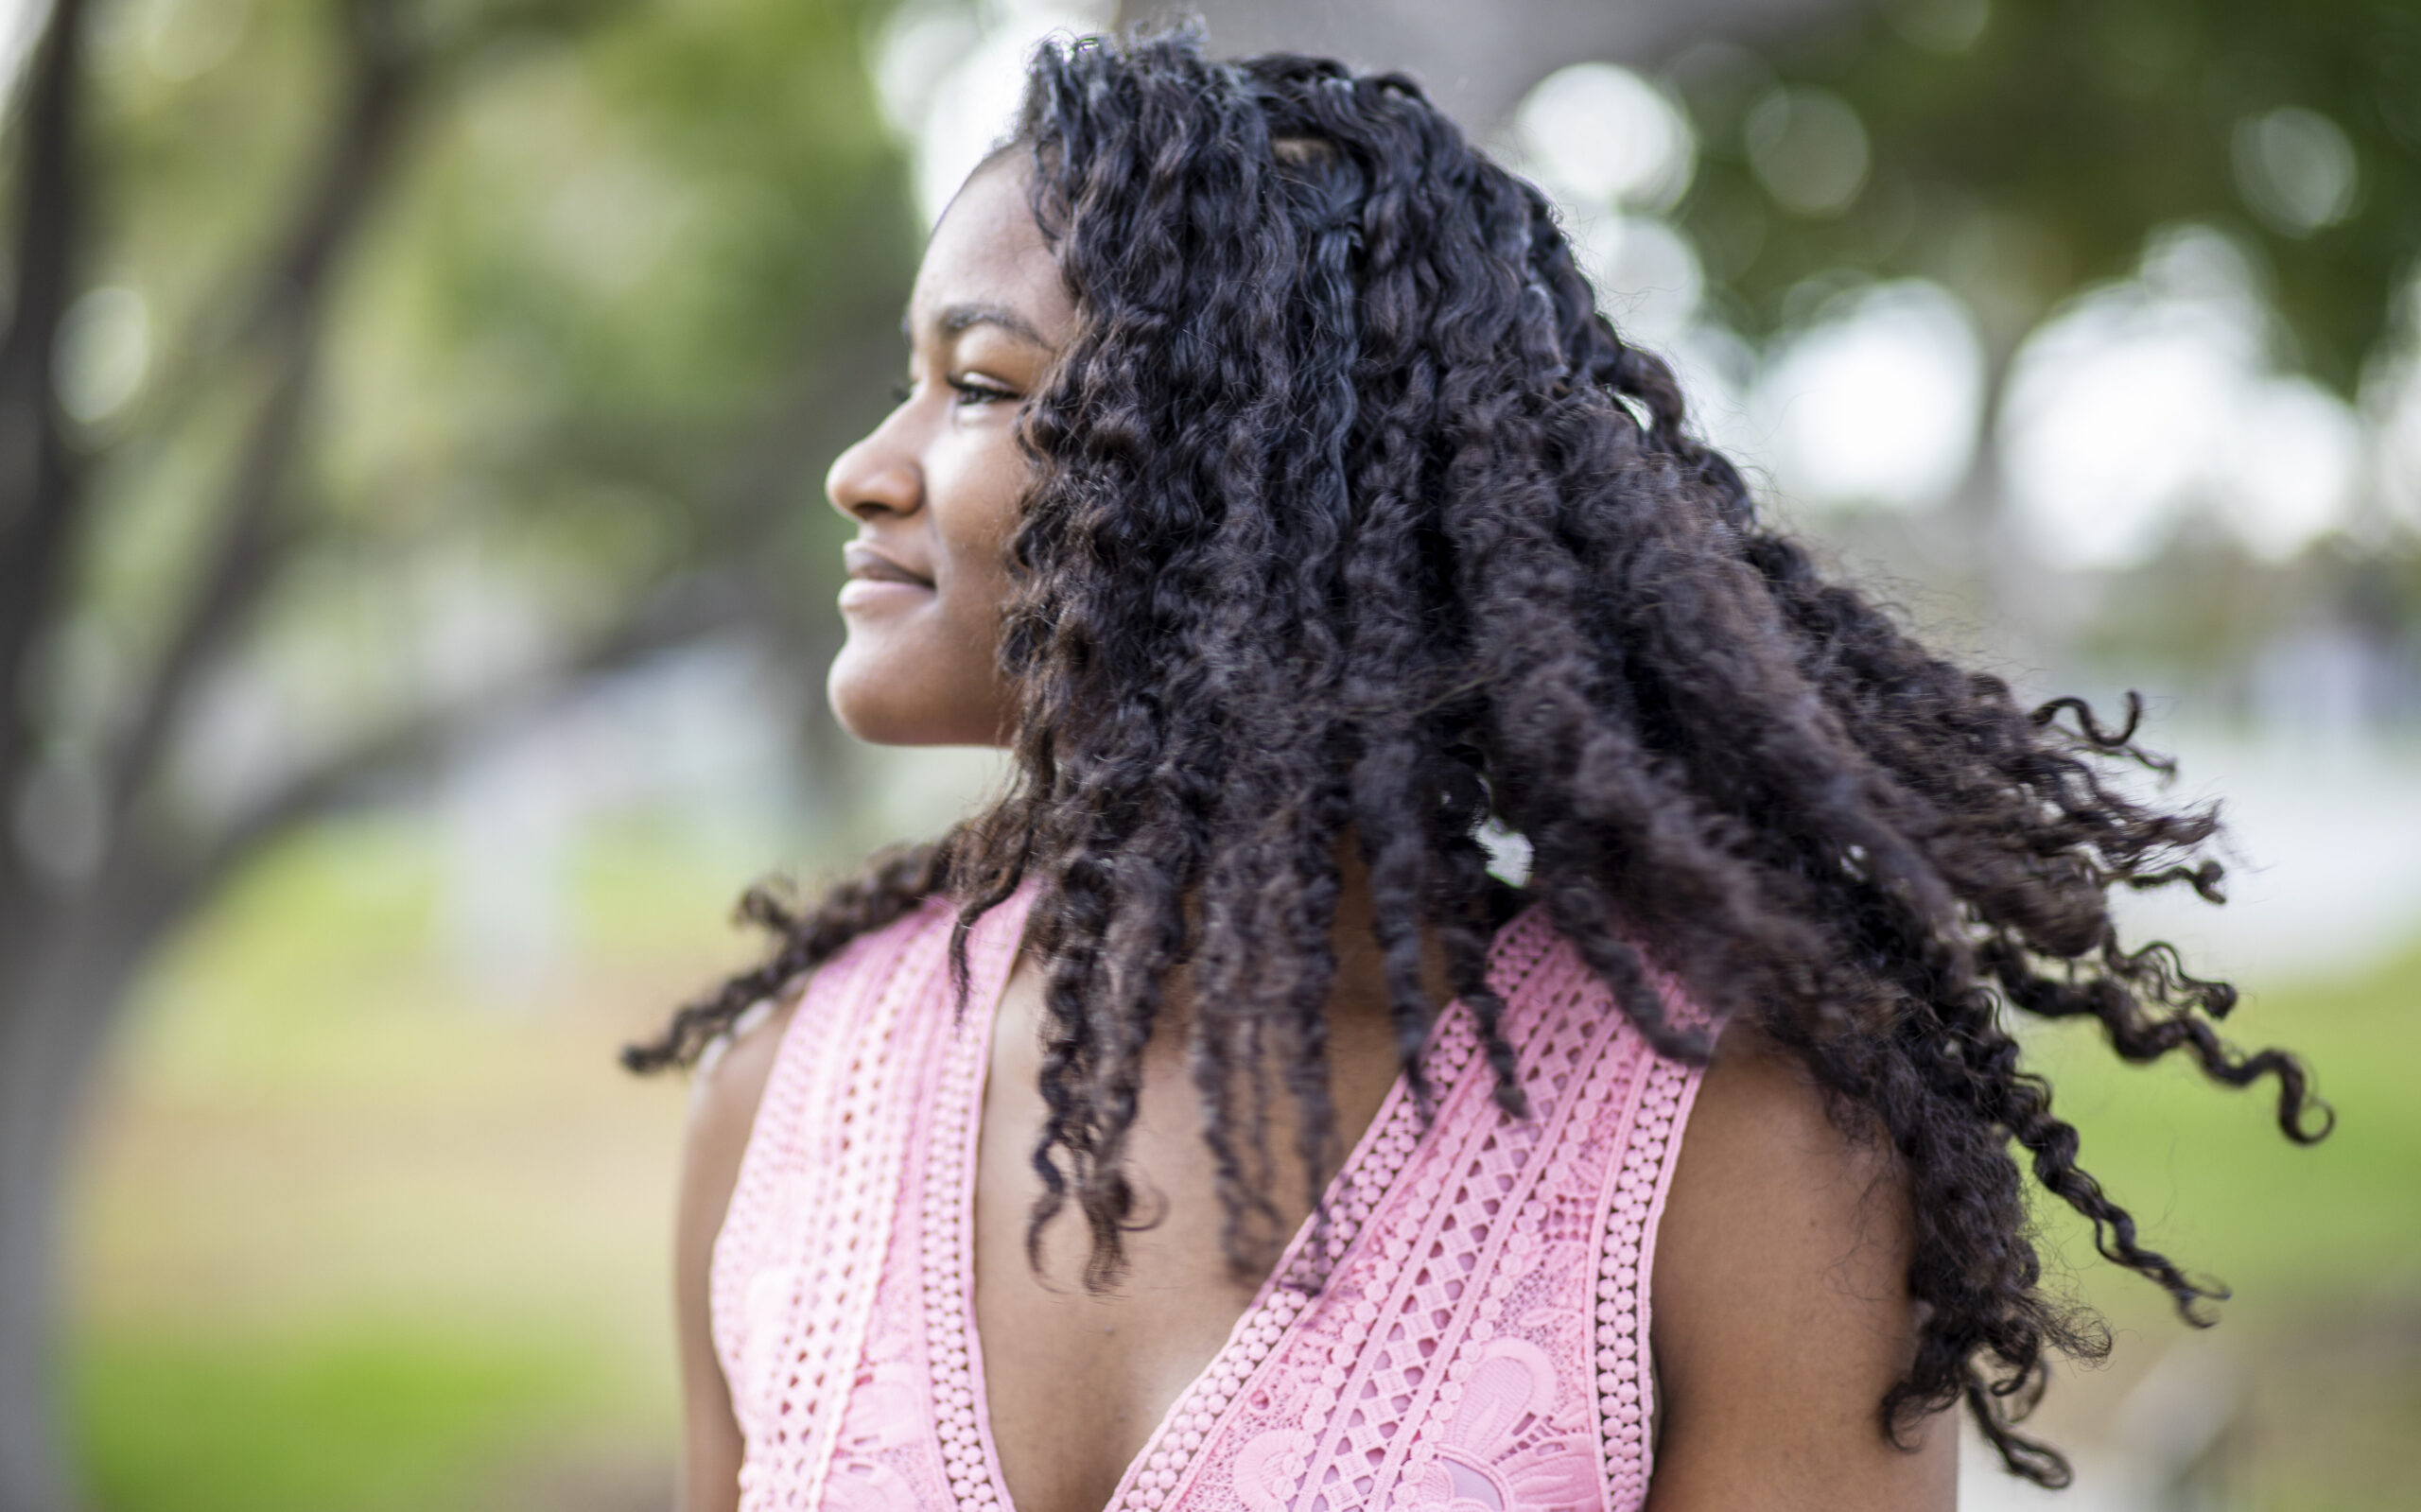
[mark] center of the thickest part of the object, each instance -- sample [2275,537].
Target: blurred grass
[359,1227]
[360,1416]
[2207,1171]
[2320,1344]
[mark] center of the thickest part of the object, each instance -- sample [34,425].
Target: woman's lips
[864,562]
[875,578]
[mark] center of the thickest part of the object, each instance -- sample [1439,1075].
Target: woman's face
[934,489]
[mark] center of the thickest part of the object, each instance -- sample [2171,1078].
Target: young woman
[1204,1126]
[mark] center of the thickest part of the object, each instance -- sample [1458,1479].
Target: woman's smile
[877,580]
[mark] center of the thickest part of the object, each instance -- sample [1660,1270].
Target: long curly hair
[1351,520]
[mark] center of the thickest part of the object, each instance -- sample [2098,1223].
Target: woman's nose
[874,477]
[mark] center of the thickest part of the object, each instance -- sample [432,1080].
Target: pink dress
[1479,1344]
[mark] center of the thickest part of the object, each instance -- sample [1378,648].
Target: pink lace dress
[1479,1343]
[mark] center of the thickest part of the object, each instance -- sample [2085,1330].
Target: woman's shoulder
[726,1093]
[1783,1313]
[731,1076]
[734,1072]
[1767,1147]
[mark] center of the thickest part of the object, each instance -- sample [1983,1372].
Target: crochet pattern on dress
[1467,1329]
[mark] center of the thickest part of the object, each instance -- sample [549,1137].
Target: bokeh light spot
[1598,132]
[2296,170]
[104,353]
[1808,149]
[1877,404]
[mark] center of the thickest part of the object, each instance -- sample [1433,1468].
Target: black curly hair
[1352,521]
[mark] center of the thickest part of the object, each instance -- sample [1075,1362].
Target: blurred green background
[414,591]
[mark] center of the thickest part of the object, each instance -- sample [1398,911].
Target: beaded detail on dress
[1468,1333]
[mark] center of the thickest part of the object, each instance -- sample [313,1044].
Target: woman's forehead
[987,254]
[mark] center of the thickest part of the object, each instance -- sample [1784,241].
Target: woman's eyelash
[969,391]
[972,389]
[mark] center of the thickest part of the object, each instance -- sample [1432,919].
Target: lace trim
[946,1269]
[1409,1342]
[1625,1385]
[948,1196]
[835,1128]
[1362,1188]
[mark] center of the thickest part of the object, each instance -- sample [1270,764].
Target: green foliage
[2017,161]
[618,251]
[627,278]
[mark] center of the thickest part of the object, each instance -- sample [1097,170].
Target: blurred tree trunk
[52,1025]
[44,1044]
[75,929]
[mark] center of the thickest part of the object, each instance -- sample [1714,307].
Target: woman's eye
[977,391]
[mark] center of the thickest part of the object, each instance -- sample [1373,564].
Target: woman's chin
[884,701]
[868,706]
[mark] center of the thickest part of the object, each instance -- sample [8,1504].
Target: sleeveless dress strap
[822,1159]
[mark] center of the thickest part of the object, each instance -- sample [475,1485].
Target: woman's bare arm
[722,1108]
[1780,1308]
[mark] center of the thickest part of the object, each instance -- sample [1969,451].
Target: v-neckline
[1212,1387]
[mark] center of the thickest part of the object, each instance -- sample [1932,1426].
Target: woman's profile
[1205,1125]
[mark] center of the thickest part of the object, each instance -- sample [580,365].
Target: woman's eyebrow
[955,318]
